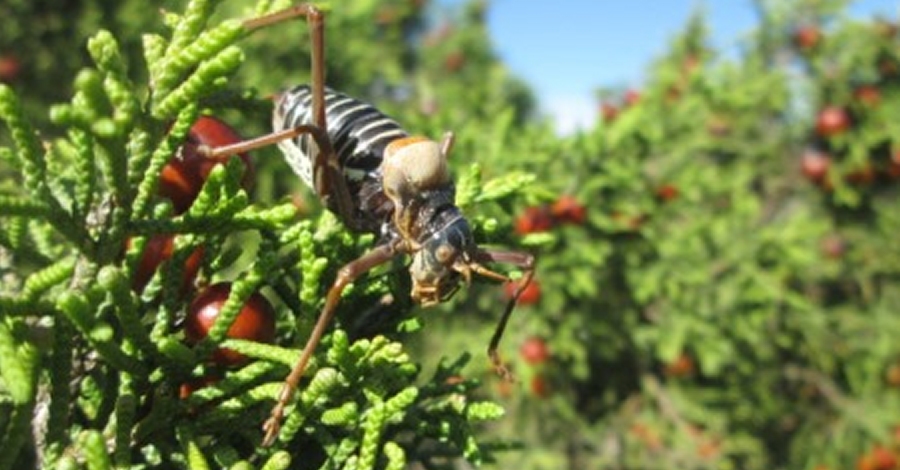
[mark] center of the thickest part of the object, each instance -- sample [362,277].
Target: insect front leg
[524,261]
[347,274]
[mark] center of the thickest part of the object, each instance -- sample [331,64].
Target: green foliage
[105,355]
[706,299]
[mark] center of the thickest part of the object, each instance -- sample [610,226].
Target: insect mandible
[376,178]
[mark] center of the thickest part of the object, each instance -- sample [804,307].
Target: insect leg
[447,143]
[347,274]
[524,261]
[328,177]
[315,18]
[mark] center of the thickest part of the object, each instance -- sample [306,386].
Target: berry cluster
[180,182]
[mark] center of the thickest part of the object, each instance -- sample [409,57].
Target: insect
[377,178]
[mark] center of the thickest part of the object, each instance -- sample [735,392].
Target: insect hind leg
[315,19]
[328,179]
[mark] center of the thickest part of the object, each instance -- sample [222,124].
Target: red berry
[159,248]
[893,168]
[862,176]
[10,67]
[681,366]
[866,462]
[454,61]
[632,97]
[608,112]
[807,37]
[883,458]
[814,165]
[255,321]
[535,219]
[534,350]
[539,386]
[831,121]
[567,209]
[667,192]
[833,246]
[187,388]
[183,176]
[868,95]
[530,296]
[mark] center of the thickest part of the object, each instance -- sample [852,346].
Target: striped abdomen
[358,132]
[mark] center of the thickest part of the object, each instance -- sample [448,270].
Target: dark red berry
[184,175]
[255,321]
[159,248]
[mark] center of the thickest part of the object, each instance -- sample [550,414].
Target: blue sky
[566,49]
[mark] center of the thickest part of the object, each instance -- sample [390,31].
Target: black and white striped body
[359,134]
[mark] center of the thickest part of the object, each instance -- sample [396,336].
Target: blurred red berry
[534,350]
[667,192]
[530,296]
[681,366]
[454,61]
[880,458]
[535,219]
[539,386]
[255,321]
[868,95]
[814,165]
[632,97]
[807,37]
[567,209]
[608,112]
[862,176]
[831,121]
[10,67]
[833,247]
[893,167]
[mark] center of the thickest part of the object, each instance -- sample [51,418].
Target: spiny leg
[380,255]
[315,18]
[524,261]
[328,178]
[329,185]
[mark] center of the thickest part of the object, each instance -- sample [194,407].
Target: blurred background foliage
[719,272]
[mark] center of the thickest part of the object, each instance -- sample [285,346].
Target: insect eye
[444,253]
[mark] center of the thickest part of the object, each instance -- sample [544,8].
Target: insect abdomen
[358,131]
